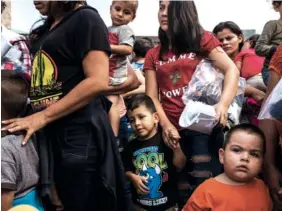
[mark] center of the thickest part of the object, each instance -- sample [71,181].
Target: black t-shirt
[57,66]
[153,160]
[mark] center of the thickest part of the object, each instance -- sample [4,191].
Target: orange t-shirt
[215,196]
[276,61]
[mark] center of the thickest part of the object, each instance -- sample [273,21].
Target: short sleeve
[126,36]
[90,33]
[150,61]
[209,42]
[276,61]
[8,169]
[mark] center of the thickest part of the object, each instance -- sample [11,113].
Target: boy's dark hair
[254,38]
[14,93]
[142,46]
[232,27]
[276,3]
[247,128]
[184,29]
[141,99]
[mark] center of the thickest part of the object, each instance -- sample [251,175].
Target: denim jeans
[76,168]
[201,151]
[265,75]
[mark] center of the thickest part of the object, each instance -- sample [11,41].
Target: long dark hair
[36,33]
[232,27]
[184,29]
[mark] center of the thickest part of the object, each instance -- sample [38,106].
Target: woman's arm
[167,126]
[96,70]
[140,89]
[238,65]
[231,78]
[152,91]
[263,47]
[130,84]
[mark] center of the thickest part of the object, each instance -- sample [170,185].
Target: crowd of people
[90,114]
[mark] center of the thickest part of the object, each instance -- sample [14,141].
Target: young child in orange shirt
[237,188]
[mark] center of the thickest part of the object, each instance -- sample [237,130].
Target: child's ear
[156,117]
[221,155]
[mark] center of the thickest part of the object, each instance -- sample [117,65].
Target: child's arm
[122,49]
[7,198]
[263,47]
[238,65]
[138,182]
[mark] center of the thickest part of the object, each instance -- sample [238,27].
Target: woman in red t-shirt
[168,70]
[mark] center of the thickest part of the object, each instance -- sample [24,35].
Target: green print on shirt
[175,74]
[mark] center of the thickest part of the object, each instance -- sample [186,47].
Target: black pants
[75,173]
[201,152]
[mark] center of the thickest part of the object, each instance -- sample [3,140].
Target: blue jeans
[265,75]
[201,151]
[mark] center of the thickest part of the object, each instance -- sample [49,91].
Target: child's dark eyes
[127,12]
[236,150]
[255,154]
[161,7]
[117,9]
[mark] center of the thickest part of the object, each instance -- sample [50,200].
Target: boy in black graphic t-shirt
[149,164]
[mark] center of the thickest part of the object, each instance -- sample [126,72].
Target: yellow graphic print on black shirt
[45,90]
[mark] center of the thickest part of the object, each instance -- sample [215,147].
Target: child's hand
[139,185]
[174,135]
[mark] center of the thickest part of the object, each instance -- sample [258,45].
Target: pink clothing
[251,63]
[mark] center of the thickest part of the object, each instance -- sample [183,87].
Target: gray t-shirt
[119,35]
[19,165]
[270,36]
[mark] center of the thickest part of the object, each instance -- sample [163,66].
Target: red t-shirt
[174,74]
[251,63]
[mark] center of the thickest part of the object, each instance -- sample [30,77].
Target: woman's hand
[30,124]
[171,136]
[274,178]
[221,113]
[258,95]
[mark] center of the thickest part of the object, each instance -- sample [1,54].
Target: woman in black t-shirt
[69,74]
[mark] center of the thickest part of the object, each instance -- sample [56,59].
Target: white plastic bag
[272,108]
[206,86]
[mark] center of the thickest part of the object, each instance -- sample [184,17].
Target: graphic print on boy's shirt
[151,165]
[152,159]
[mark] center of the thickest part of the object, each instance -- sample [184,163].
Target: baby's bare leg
[114,114]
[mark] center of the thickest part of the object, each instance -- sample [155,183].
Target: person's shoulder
[209,41]
[271,23]
[87,13]
[258,182]
[11,140]
[129,147]
[154,51]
